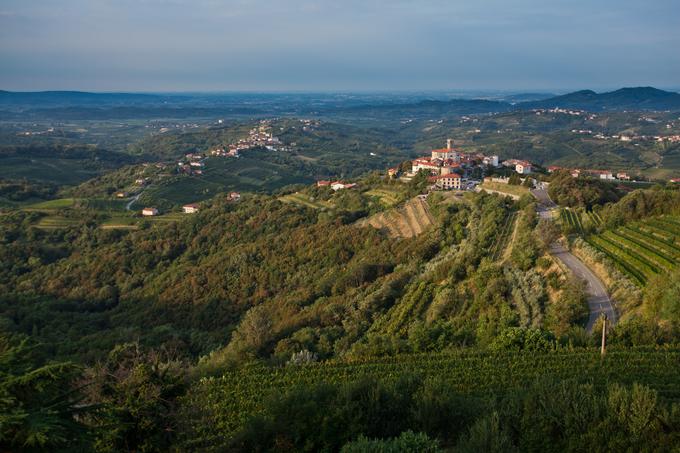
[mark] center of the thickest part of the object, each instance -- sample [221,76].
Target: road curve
[598,299]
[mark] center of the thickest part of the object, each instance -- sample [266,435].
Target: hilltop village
[258,137]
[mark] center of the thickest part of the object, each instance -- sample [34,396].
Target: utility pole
[604,334]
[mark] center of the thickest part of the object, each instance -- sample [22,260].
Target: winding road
[598,300]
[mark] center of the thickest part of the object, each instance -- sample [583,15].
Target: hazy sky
[206,45]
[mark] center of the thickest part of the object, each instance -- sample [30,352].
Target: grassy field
[410,220]
[509,189]
[642,249]
[305,200]
[59,203]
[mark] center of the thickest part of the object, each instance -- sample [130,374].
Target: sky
[338,45]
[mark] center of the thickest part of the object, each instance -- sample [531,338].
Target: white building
[190,208]
[149,212]
[523,167]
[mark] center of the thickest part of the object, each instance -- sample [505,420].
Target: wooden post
[604,334]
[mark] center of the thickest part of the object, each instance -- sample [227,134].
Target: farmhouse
[602,174]
[234,196]
[339,185]
[190,208]
[149,212]
[323,183]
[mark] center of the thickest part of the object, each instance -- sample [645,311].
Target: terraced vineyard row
[642,249]
[503,239]
[577,219]
[410,220]
[229,400]
[571,218]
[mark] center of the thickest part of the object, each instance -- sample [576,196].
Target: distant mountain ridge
[638,98]
[68,104]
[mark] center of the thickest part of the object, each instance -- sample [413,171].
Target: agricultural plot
[642,249]
[580,221]
[304,200]
[405,222]
[54,222]
[388,197]
[503,240]
[234,397]
[169,217]
[60,203]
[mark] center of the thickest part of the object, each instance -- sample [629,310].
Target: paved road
[598,299]
[542,196]
[132,200]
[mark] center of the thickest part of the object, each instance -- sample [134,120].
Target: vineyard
[231,399]
[503,240]
[577,220]
[642,249]
[408,221]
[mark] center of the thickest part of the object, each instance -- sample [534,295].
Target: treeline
[22,189]
[80,152]
[566,190]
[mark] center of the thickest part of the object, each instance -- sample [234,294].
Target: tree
[39,404]
[139,392]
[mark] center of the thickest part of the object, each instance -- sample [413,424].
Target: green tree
[139,392]
[39,405]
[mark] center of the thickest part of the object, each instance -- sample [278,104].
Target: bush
[407,442]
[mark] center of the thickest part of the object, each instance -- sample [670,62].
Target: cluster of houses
[572,112]
[191,164]
[191,208]
[606,175]
[446,166]
[258,137]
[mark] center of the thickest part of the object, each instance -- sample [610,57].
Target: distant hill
[75,98]
[81,105]
[639,98]
[432,107]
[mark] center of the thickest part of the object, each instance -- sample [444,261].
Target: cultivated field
[388,197]
[305,200]
[642,249]
[407,221]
